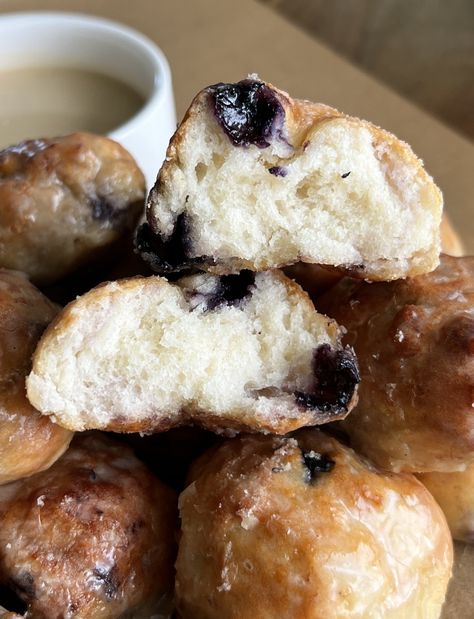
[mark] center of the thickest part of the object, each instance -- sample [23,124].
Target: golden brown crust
[29,442]
[414,340]
[64,201]
[263,536]
[92,537]
[301,117]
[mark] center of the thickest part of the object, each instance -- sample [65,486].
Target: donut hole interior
[152,350]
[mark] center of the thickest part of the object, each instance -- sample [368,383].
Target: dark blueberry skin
[249,112]
[231,290]
[107,581]
[336,376]
[170,256]
[104,211]
[316,463]
[25,585]
[278,171]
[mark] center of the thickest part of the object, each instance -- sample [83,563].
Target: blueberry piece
[229,290]
[249,112]
[103,210]
[233,289]
[336,376]
[278,171]
[107,580]
[167,256]
[316,463]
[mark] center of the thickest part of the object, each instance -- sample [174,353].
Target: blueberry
[167,256]
[316,463]
[249,112]
[107,580]
[230,290]
[278,171]
[103,210]
[336,376]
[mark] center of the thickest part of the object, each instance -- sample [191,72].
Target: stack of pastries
[255,423]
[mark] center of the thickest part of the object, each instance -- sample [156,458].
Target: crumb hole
[217,160]
[201,171]
[302,191]
[280,205]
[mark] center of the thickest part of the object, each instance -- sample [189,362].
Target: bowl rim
[162,74]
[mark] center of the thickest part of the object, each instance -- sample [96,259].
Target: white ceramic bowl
[86,42]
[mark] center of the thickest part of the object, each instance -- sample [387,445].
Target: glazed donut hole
[29,441]
[119,262]
[414,342]
[66,202]
[302,527]
[93,536]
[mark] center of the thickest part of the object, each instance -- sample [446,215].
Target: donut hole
[236,349]
[349,195]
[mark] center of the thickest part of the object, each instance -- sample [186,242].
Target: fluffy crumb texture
[303,528]
[316,279]
[239,352]
[255,180]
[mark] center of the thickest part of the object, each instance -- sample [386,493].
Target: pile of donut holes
[298,526]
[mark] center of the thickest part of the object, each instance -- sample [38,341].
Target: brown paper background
[208,41]
[460,601]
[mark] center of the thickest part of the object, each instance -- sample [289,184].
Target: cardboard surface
[208,41]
